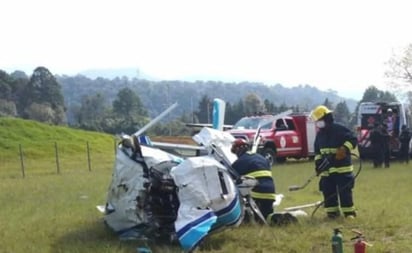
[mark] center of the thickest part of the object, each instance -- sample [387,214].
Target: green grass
[50,212]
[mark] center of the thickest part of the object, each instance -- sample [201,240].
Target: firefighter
[257,166]
[333,144]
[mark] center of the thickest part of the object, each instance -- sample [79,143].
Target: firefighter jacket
[255,165]
[328,140]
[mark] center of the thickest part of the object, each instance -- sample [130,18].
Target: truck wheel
[270,155]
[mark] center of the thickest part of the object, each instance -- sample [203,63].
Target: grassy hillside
[34,135]
[44,148]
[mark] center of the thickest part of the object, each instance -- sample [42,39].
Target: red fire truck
[282,136]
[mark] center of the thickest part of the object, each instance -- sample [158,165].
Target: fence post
[115,146]
[21,161]
[56,153]
[88,156]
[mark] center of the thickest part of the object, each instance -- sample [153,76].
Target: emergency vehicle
[281,136]
[371,113]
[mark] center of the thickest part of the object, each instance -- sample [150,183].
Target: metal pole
[208,112]
[88,157]
[21,161]
[115,146]
[56,151]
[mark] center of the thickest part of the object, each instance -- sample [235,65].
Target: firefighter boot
[333,215]
[350,215]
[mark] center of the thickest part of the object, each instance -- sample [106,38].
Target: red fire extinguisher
[359,246]
[360,243]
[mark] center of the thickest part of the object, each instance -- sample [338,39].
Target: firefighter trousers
[337,193]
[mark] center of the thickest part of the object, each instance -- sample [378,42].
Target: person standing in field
[404,139]
[378,145]
[333,145]
[386,145]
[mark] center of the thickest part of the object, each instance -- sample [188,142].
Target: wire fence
[56,159]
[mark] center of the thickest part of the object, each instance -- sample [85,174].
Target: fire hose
[325,165]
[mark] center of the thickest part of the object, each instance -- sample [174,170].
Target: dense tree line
[123,105]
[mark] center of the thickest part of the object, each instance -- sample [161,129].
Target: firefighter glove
[322,165]
[341,153]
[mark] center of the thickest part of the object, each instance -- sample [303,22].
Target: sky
[329,44]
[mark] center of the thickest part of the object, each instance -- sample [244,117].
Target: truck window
[280,125]
[290,124]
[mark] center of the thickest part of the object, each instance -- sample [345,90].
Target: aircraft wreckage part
[218,113]
[228,216]
[207,203]
[195,227]
[155,120]
[127,183]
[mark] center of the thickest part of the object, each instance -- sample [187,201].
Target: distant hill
[132,73]
[156,96]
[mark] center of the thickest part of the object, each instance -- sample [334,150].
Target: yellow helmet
[319,112]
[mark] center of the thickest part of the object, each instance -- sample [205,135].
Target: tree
[18,86]
[234,112]
[205,108]
[270,107]
[11,87]
[5,88]
[92,111]
[175,127]
[43,89]
[400,70]
[253,104]
[18,74]
[373,94]
[400,74]
[283,107]
[128,104]
[328,104]
[128,112]
[342,114]
[40,112]
[7,108]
